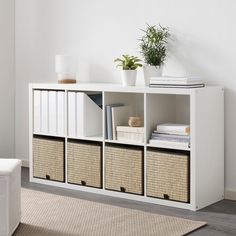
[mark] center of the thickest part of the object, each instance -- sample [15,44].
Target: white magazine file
[84,116]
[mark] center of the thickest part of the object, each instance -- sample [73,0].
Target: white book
[179,140]
[72,114]
[175,78]
[156,134]
[120,116]
[171,128]
[44,111]
[52,110]
[176,86]
[109,133]
[169,144]
[37,111]
[196,82]
[80,114]
[60,113]
[170,80]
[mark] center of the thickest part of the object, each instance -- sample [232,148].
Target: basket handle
[48,177]
[122,189]
[166,196]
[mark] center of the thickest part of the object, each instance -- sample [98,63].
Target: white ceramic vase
[151,71]
[128,77]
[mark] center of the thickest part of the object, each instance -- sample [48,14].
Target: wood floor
[221,217]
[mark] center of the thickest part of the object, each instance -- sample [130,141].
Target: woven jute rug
[46,214]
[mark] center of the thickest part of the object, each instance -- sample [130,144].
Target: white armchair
[10,195]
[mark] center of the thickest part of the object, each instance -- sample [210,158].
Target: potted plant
[129,66]
[154,50]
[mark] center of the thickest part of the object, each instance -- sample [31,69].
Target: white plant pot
[151,71]
[128,77]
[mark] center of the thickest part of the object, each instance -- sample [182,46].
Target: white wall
[98,31]
[7,82]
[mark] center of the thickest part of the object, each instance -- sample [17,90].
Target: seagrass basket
[49,158]
[168,175]
[84,160]
[124,168]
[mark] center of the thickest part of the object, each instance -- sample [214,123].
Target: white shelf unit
[202,108]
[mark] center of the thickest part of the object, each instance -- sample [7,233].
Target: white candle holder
[66,68]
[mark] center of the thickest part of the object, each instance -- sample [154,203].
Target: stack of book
[171,135]
[116,115]
[176,82]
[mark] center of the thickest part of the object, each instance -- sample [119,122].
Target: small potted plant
[129,66]
[154,50]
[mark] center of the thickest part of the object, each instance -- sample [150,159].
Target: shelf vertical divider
[145,145]
[193,151]
[104,137]
[31,132]
[66,132]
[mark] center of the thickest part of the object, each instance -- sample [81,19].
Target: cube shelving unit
[202,108]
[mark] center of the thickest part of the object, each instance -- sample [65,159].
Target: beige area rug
[46,214]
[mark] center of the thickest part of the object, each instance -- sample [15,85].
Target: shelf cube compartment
[49,158]
[84,160]
[166,108]
[124,168]
[119,106]
[168,175]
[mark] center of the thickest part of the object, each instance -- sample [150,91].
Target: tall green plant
[154,45]
[128,62]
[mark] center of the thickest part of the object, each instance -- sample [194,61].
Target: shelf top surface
[110,87]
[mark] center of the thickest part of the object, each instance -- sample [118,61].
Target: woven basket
[124,168]
[84,160]
[49,158]
[168,175]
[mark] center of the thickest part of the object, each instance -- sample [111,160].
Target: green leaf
[128,62]
[118,60]
[153,44]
